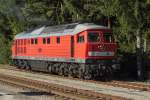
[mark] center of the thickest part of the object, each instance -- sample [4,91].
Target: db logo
[39,50]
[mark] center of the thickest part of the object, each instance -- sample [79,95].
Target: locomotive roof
[59,30]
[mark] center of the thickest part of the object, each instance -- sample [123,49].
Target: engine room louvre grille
[24,41]
[28,41]
[21,42]
[24,49]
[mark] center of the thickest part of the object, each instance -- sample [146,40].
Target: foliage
[4,50]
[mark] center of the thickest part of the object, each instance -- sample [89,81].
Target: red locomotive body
[80,50]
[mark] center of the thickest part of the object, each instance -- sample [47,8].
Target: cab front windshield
[108,37]
[93,37]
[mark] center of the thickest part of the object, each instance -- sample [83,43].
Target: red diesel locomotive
[82,50]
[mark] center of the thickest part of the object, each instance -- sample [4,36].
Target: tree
[12,15]
[108,8]
[10,24]
[4,50]
[133,16]
[52,12]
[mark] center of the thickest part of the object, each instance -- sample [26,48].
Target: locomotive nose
[101,50]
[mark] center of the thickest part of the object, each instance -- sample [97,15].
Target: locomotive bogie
[76,70]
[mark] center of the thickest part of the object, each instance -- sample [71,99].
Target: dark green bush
[5,50]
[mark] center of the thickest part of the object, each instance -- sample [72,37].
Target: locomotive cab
[100,45]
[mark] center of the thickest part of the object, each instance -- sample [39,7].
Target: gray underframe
[72,60]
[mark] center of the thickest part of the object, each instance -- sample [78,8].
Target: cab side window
[80,39]
[48,40]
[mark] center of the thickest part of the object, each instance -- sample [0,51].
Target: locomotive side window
[80,39]
[44,40]
[35,41]
[58,40]
[108,37]
[32,41]
[93,37]
[48,40]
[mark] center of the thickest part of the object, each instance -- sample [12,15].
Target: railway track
[105,85]
[123,84]
[129,85]
[68,92]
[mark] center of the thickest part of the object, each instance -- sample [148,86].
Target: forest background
[129,20]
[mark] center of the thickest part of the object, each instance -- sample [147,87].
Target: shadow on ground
[128,67]
[36,93]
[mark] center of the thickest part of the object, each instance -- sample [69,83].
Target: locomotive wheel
[66,71]
[22,64]
[76,72]
[80,73]
[105,73]
[25,64]
[54,68]
[57,69]
[88,72]
[109,73]
[87,75]
[28,67]
[19,64]
[71,71]
[61,69]
[50,69]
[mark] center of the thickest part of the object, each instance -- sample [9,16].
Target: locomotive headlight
[101,47]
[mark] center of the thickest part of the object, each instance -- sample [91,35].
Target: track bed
[77,84]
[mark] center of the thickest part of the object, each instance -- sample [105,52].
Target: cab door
[72,46]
